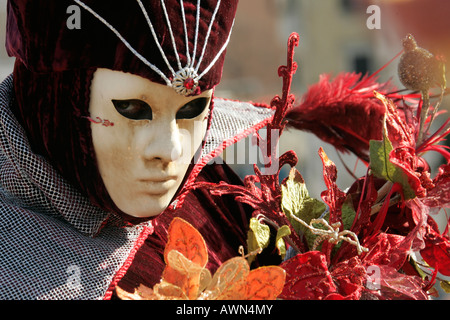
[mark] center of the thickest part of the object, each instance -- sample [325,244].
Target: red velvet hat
[183,46]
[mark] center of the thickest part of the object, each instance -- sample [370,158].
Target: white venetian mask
[152,134]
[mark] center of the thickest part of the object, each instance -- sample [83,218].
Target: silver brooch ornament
[185,81]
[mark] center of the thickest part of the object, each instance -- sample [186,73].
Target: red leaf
[390,249]
[384,250]
[350,276]
[437,248]
[400,133]
[333,196]
[381,216]
[439,195]
[307,277]
[395,285]
[364,194]
[349,291]
[405,158]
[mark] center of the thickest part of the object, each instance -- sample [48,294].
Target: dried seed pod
[419,70]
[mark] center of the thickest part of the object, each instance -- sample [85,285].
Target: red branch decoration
[266,199]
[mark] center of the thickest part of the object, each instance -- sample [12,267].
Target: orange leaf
[265,283]
[125,295]
[228,282]
[189,277]
[141,293]
[185,239]
[168,291]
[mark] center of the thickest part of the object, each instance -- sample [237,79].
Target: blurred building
[333,38]
[6,63]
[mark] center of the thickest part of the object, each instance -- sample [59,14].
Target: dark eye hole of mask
[133,109]
[192,109]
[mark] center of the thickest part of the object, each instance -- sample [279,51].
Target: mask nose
[162,142]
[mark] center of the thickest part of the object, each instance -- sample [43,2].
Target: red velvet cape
[222,221]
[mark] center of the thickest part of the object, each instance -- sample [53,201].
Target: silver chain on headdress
[185,80]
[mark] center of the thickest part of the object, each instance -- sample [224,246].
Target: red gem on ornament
[189,83]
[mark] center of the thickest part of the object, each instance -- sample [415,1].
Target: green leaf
[280,244]
[383,168]
[295,200]
[258,237]
[348,213]
[416,266]
[348,216]
[445,285]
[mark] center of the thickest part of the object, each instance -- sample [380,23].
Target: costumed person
[105,123]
